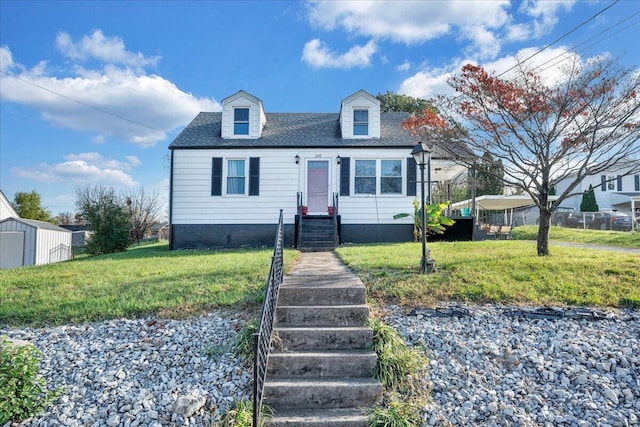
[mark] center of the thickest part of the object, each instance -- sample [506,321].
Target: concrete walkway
[320,269]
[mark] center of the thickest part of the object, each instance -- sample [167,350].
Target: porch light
[338,158]
[297,159]
[422,155]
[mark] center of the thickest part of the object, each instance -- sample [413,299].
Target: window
[365,177]
[235,177]
[361,122]
[369,172]
[241,121]
[391,177]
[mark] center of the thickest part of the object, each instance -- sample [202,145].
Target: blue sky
[93,92]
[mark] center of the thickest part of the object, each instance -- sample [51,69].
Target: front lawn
[504,272]
[141,281]
[594,237]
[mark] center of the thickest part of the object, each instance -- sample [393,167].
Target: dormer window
[241,121]
[361,122]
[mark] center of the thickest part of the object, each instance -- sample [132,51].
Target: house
[617,189]
[28,242]
[232,171]
[6,210]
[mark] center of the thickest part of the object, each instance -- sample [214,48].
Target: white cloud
[6,59]
[430,82]
[318,55]
[409,22]
[405,66]
[111,50]
[113,101]
[544,13]
[83,168]
[484,25]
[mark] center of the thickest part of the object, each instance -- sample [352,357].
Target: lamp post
[422,155]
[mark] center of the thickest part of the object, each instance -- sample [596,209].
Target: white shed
[28,242]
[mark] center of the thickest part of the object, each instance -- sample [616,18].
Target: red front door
[317,186]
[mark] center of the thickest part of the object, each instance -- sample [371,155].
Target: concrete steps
[324,418]
[323,376]
[318,233]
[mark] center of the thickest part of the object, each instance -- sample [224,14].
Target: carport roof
[498,202]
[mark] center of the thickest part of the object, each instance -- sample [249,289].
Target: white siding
[603,198]
[280,180]
[357,101]
[257,118]
[53,246]
[6,210]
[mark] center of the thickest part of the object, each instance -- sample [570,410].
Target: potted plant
[305,209]
[330,210]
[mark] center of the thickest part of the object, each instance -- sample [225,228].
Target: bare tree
[143,209]
[583,124]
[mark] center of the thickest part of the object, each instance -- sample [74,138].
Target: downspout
[171,202]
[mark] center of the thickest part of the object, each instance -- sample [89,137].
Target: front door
[317,186]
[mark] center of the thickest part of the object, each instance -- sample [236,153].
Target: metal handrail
[299,210]
[335,217]
[262,344]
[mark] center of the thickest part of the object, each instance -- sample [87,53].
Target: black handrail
[299,211]
[335,218]
[262,344]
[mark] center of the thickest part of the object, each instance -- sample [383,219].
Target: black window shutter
[411,176]
[603,185]
[619,182]
[345,175]
[216,176]
[254,176]
[637,182]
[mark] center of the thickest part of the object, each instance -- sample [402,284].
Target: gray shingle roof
[285,130]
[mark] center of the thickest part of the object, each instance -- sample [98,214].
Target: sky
[93,92]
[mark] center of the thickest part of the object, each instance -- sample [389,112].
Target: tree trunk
[543,232]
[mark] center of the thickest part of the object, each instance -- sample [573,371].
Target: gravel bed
[494,366]
[145,372]
[489,366]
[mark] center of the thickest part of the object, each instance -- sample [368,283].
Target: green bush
[397,362]
[245,341]
[23,391]
[396,413]
[240,414]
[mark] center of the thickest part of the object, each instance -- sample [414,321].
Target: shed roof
[37,224]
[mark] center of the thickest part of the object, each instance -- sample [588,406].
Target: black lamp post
[422,155]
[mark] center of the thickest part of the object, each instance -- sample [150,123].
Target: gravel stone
[139,372]
[527,371]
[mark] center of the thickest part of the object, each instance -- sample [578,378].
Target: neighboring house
[615,190]
[6,210]
[28,242]
[232,172]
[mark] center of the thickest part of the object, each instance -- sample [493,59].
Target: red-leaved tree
[584,123]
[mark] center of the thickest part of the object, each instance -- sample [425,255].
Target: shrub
[244,342]
[396,413]
[397,362]
[23,391]
[240,414]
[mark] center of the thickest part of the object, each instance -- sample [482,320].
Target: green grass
[141,281]
[594,237]
[506,272]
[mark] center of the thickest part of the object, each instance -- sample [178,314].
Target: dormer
[360,116]
[242,116]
